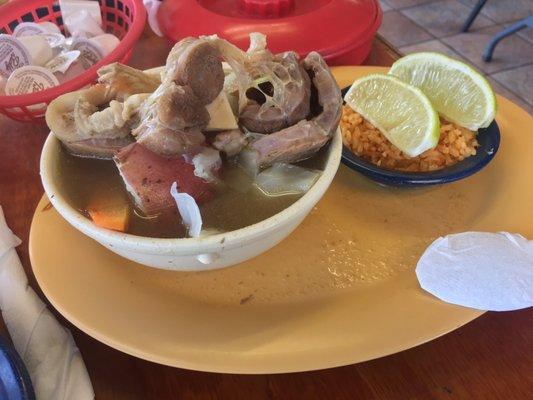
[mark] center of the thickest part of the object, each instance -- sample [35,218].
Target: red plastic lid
[331,27]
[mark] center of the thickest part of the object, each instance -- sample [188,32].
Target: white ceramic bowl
[188,254]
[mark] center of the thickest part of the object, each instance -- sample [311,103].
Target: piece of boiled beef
[230,142]
[149,176]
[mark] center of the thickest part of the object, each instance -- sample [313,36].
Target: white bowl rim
[225,239]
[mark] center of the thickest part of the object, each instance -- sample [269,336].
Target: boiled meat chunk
[230,142]
[173,117]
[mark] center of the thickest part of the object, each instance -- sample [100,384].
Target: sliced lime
[458,92]
[400,111]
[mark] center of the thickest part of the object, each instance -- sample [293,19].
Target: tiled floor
[434,25]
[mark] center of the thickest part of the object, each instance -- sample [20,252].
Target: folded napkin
[47,348]
[481,270]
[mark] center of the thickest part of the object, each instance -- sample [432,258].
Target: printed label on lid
[30,79]
[13,55]
[90,53]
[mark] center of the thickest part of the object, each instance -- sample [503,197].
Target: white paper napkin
[47,348]
[486,271]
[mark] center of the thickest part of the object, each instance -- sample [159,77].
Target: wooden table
[490,358]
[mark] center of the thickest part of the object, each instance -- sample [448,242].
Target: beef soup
[236,204]
[203,147]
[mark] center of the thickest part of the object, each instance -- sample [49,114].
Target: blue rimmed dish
[489,143]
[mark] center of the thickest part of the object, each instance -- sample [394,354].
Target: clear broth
[237,203]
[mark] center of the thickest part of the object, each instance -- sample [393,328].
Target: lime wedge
[400,111]
[458,92]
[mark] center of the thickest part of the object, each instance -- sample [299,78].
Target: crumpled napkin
[47,348]
[81,23]
[481,270]
[69,7]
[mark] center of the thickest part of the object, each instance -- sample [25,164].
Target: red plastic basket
[123,18]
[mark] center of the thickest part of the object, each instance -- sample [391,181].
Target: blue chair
[489,50]
[526,22]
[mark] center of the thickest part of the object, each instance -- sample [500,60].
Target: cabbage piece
[206,163]
[189,211]
[283,179]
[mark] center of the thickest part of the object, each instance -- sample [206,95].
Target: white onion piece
[282,179]
[189,211]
